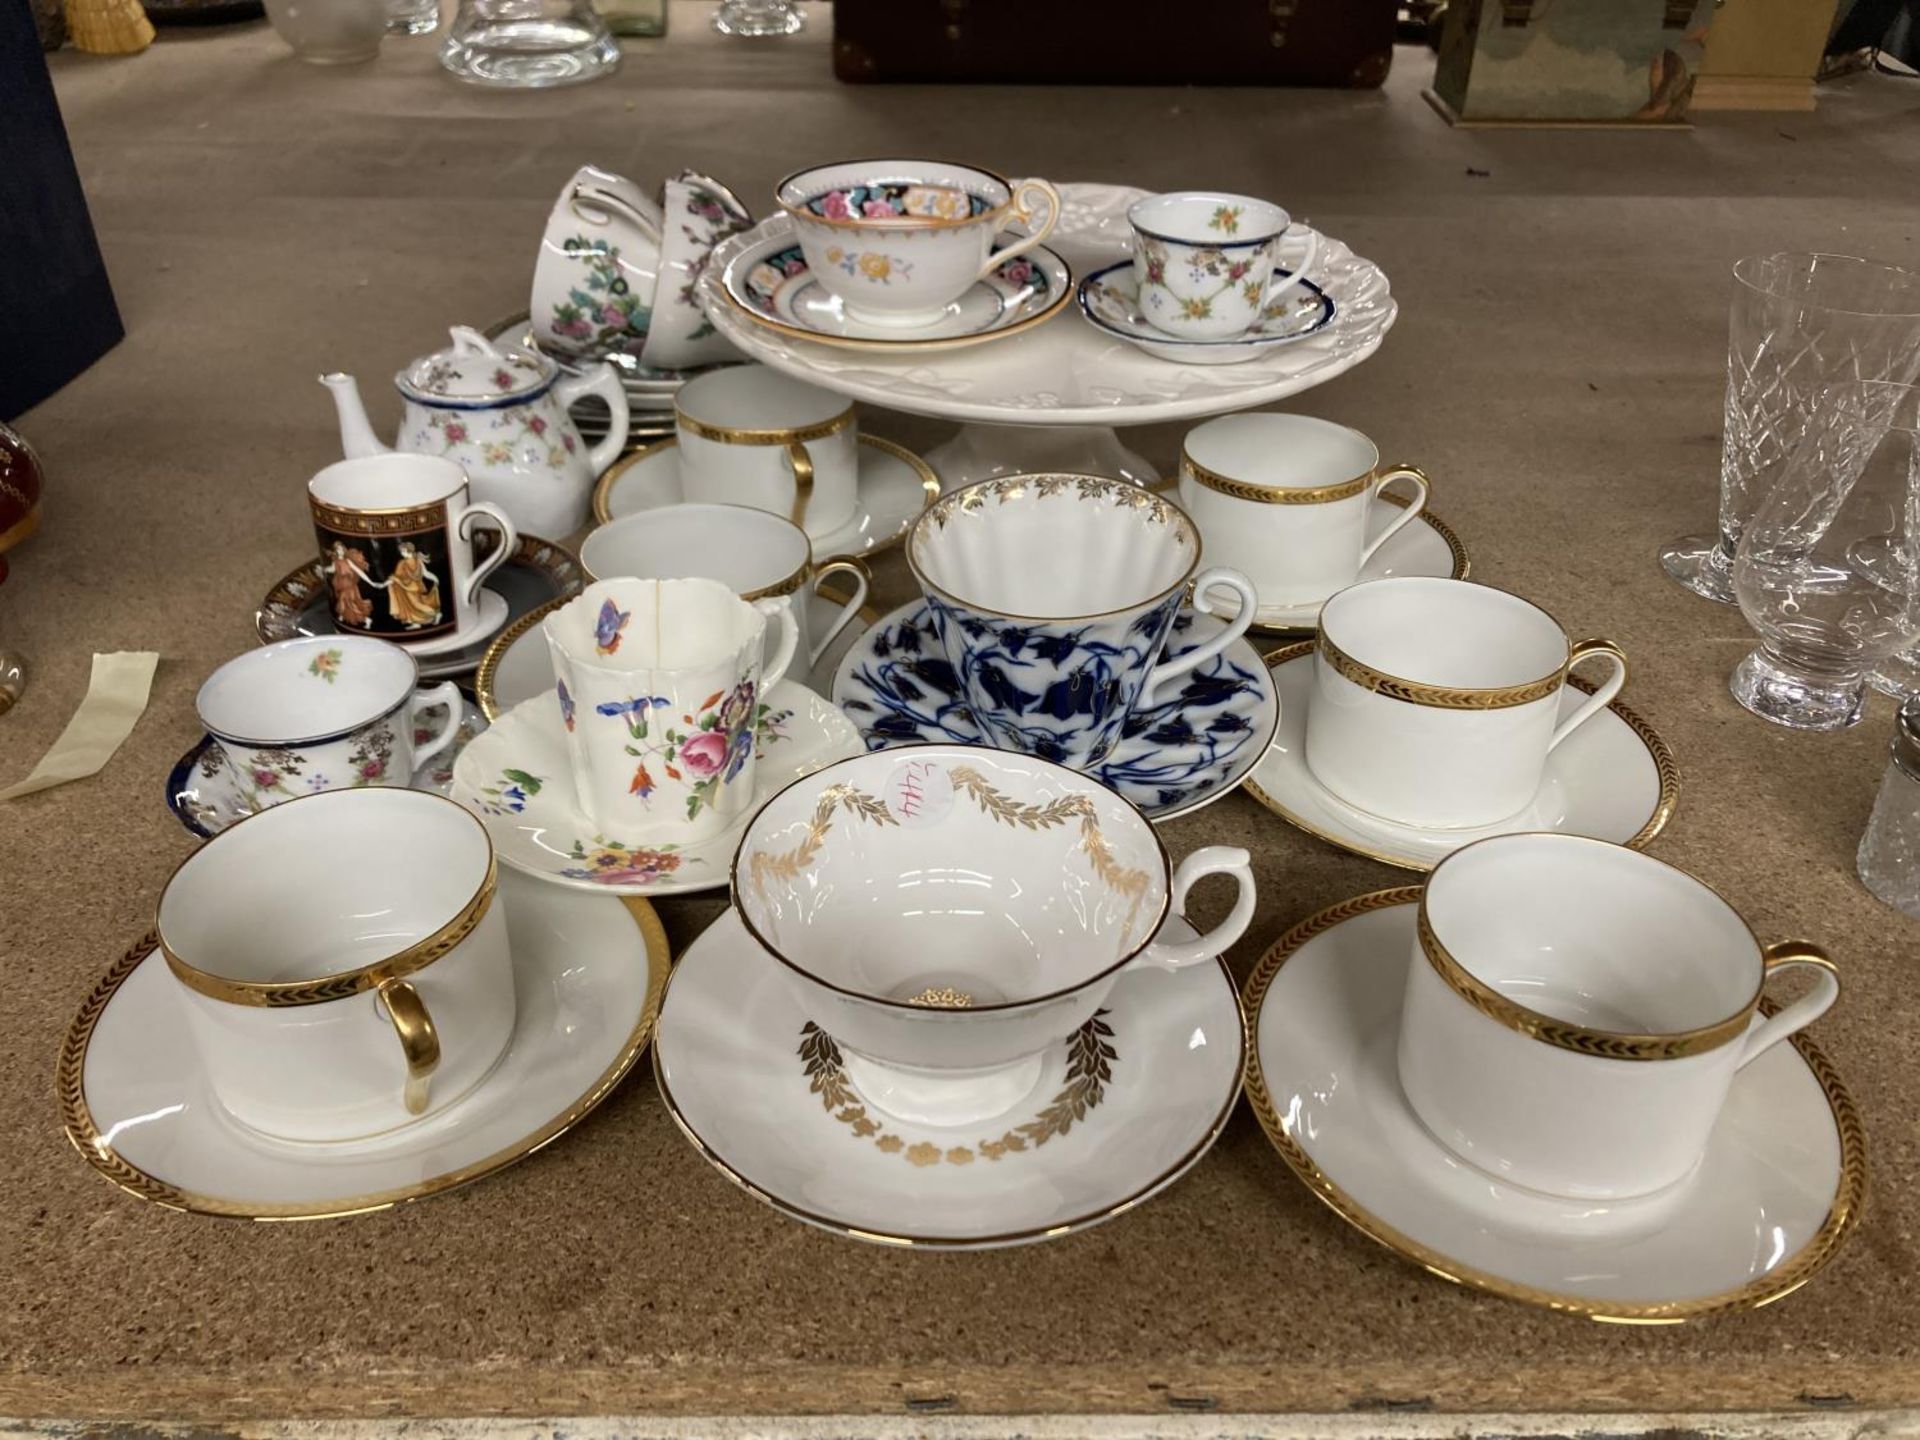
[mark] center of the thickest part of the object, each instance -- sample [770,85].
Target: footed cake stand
[1049,399]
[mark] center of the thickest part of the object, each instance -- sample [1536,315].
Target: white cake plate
[1048,399]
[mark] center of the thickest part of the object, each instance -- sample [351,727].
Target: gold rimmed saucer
[1787,1159]
[1613,779]
[134,1103]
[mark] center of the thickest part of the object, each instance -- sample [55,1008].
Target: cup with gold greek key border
[346,1008]
[1576,1013]
[948,912]
[1436,702]
[1285,500]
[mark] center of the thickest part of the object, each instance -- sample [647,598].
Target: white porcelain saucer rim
[1160,1183]
[1665,768]
[1842,1216]
[1299,619]
[1188,342]
[84,1135]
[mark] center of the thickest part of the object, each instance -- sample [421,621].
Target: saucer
[1612,779]
[202,796]
[518,665]
[537,571]
[588,975]
[768,281]
[1426,547]
[1779,1189]
[1124,1108]
[1110,299]
[897,685]
[895,485]
[516,776]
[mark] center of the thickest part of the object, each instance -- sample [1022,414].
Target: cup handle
[1024,195]
[585,199]
[779,609]
[801,463]
[1236,627]
[862,581]
[1601,698]
[602,380]
[1213,860]
[1764,1034]
[509,539]
[1421,486]
[1295,273]
[419,1041]
[448,694]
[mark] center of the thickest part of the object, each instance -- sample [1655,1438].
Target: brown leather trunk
[1344,43]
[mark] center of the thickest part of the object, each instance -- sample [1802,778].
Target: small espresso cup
[1207,264]
[1285,499]
[343,962]
[752,436]
[660,682]
[898,241]
[756,555]
[396,545]
[1054,595]
[1436,702]
[1576,1013]
[323,712]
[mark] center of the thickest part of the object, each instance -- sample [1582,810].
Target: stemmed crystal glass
[758,17]
[1799,322]
[1828,565]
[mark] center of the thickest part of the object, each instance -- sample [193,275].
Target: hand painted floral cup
[756,555]
[1436,702]
[749,435]
[1576,1013]
[1286,500]
[1054,595]
[324,712]
[342,961]
[660,682]
[1206,263]
[599,264]
[947,913]
[900,240]
[700,213]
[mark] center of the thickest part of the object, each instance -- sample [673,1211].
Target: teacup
[1285,499]
[900,240]
[947,913]
[755,554]
[593,285]
[323,712]
[1206,264]
[660,683]
[1576,1013]
[1436,702]
[396,545]
[701,212]
[749,435]
[343,962]
[1054,596]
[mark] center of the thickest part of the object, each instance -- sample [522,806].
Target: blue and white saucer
[1110,299]
[898,688]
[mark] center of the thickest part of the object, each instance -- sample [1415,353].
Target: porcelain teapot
[501,415]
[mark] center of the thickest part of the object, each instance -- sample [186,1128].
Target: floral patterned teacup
[593,286]
[325,712]
[1206,263]
[658,682]
[900,240]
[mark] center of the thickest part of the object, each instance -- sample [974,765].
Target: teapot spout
[357,439]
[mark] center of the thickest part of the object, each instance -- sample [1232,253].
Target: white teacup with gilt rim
[1207,264]
[900,240]
[1436,702]
[749,435]
[947,913]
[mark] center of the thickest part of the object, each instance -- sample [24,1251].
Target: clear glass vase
[529,44]
[330,32]
[1828,566]
[758,17]
[1799,322]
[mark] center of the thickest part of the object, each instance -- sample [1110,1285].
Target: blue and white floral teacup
[898,241]
[1054,596]
[1206,262]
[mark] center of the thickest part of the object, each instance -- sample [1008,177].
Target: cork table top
[1558,369]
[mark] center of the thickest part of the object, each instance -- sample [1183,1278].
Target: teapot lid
[473,371]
